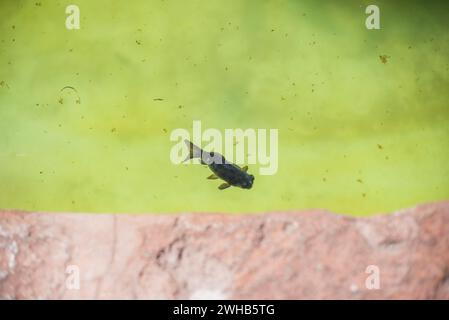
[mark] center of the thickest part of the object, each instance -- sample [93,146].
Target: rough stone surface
[303,255]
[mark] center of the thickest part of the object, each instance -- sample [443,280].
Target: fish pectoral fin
[212,177]
[245,168]
[224,186]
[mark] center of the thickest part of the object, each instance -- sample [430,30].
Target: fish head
[248,183]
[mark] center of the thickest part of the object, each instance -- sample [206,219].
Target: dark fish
[232,174]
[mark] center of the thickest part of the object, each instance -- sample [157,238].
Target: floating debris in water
[69,87]
[78,99]
[4,84]
[380,146]
[384,58]
[158,99]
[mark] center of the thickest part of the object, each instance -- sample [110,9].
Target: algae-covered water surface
[86,115]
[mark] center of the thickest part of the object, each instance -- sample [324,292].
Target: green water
[356,135]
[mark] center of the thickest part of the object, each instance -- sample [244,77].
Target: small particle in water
[61,101]
[158,99]
[384,58]
[364,195]
[41,172]
[78,101]
[113,129]
[380,146]
[138,42]
[359,180]
[4,84]
[180,107]
[38,4]
[165,130]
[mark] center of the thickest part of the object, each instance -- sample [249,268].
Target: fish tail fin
[194,151]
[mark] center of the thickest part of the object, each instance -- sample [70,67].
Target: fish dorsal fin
[245,168]
[224,186]
[212,177]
